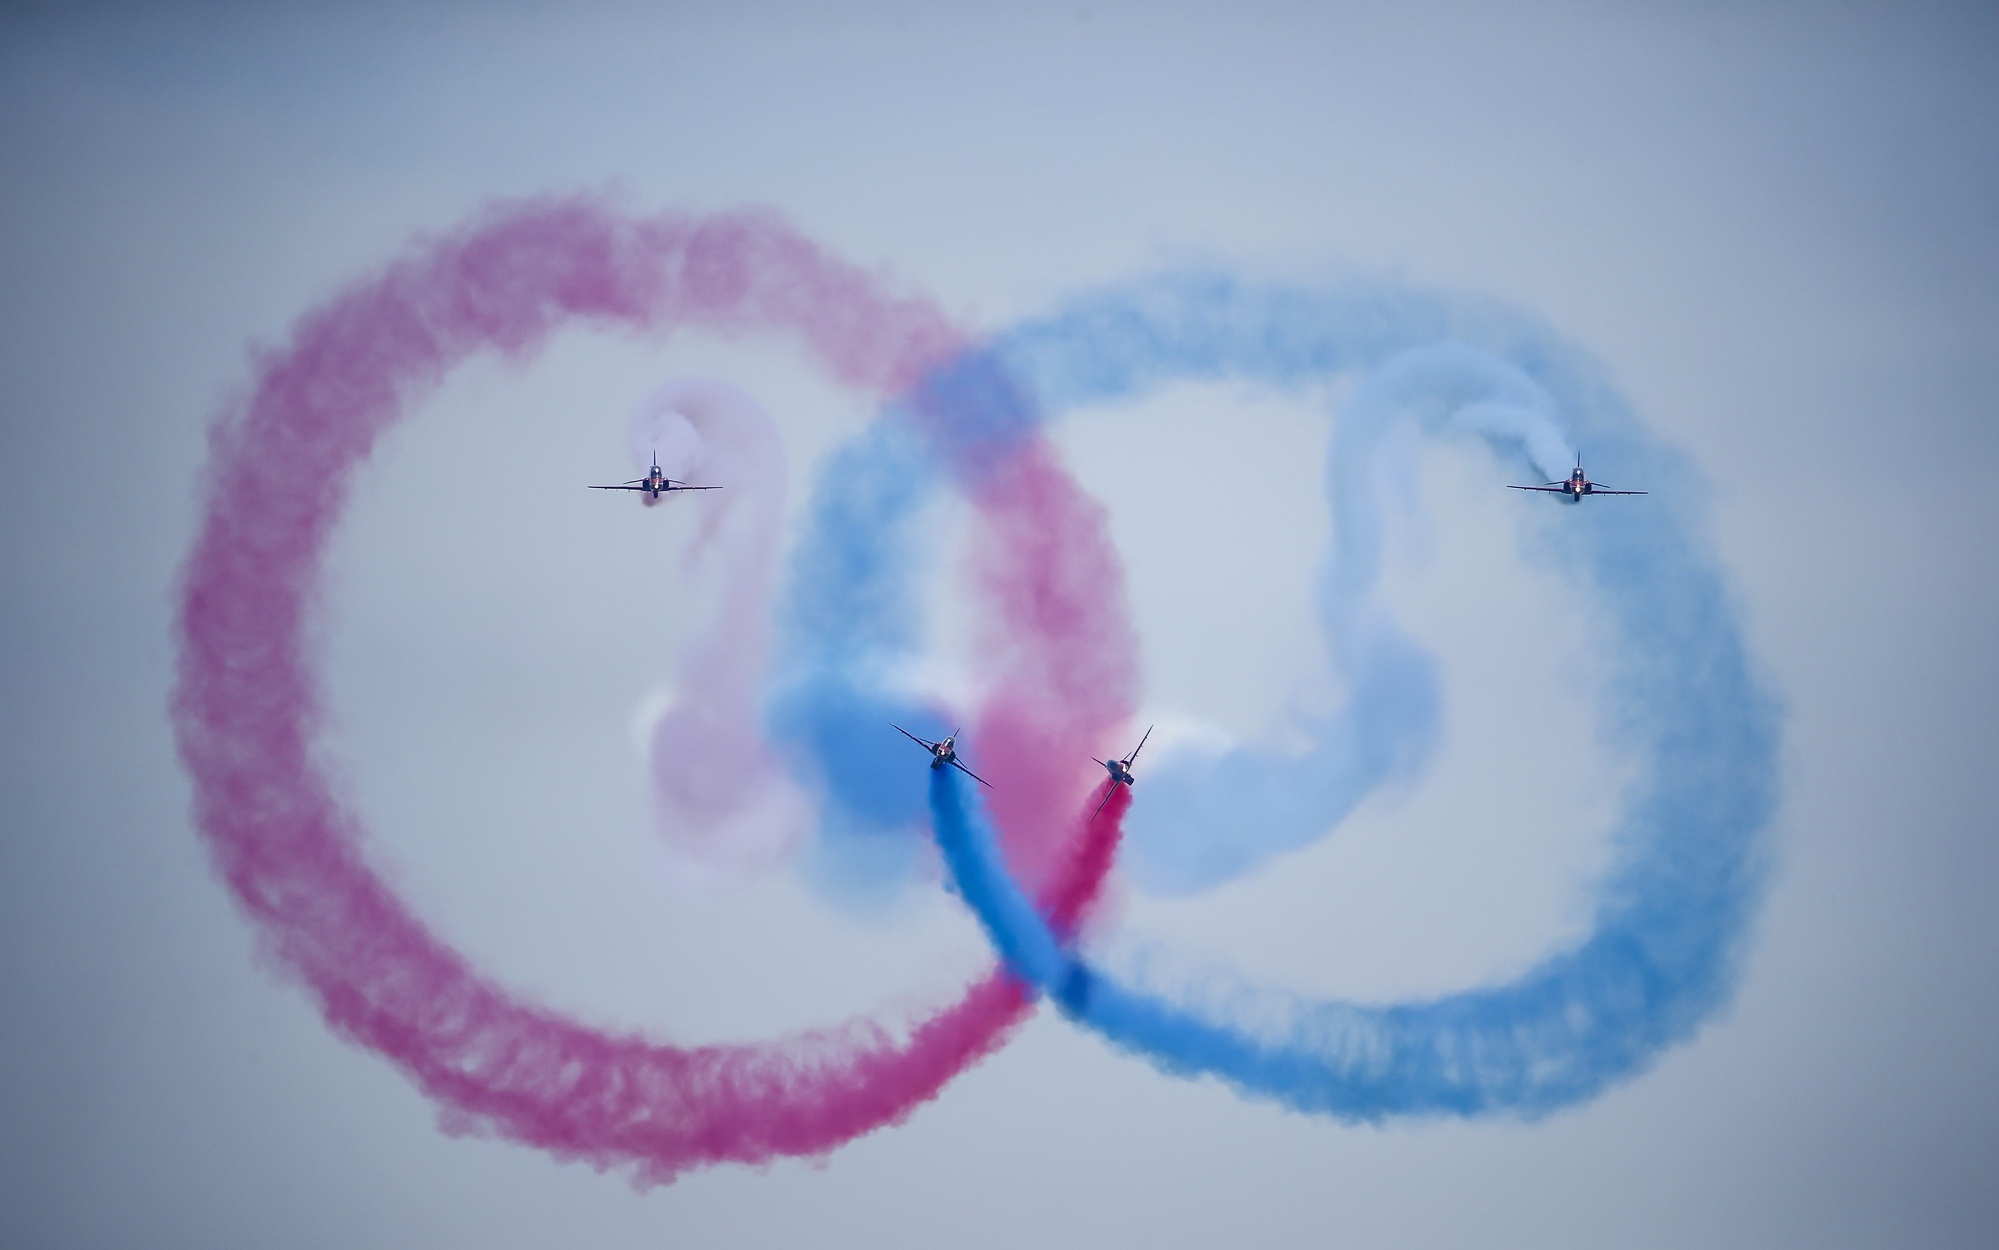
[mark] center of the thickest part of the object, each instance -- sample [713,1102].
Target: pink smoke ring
[246,706]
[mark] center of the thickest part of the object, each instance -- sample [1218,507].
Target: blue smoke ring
[1686,707]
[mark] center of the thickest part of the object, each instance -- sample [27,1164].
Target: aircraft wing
[969,773]
[1107,798]
[1553,490]
[913,738]
[1140,747]
[694,488]
[1601,491]
[617,488]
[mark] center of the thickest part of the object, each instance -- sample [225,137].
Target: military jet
[1578,485]
[655,483]
[1120,771]
[943,753]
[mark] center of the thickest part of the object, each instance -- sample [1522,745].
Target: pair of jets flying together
[946,752]
[656,483]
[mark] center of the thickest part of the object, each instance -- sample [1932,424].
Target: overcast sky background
[1774,224]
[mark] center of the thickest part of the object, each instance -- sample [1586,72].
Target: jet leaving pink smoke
[1066,654]
[246,705]
[722,805]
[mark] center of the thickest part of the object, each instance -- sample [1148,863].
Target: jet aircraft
[943,753]
[1120,771]
[1577,485]
[655,483]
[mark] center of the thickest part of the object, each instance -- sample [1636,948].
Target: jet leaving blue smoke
[1681,702]
[1452,366]
[850,617]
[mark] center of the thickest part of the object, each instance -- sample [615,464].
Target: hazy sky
[1772,225]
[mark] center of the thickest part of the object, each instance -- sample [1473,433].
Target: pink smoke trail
[1044,558]
[246,706]
[724,808]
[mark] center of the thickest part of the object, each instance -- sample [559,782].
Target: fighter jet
[1573,490]
[655,483]
[943,753]
[1120,771]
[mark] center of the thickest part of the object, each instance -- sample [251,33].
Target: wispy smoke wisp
[723,806]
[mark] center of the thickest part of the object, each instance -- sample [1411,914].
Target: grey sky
[1773,226]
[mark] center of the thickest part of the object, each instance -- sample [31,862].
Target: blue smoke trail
[1681,701]
[849,620]
[847,616]
[1024,941]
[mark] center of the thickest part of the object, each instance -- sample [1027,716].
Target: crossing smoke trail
[1681,702]
[850,622]
[246,705]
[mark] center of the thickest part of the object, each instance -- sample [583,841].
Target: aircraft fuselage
[1572,488]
